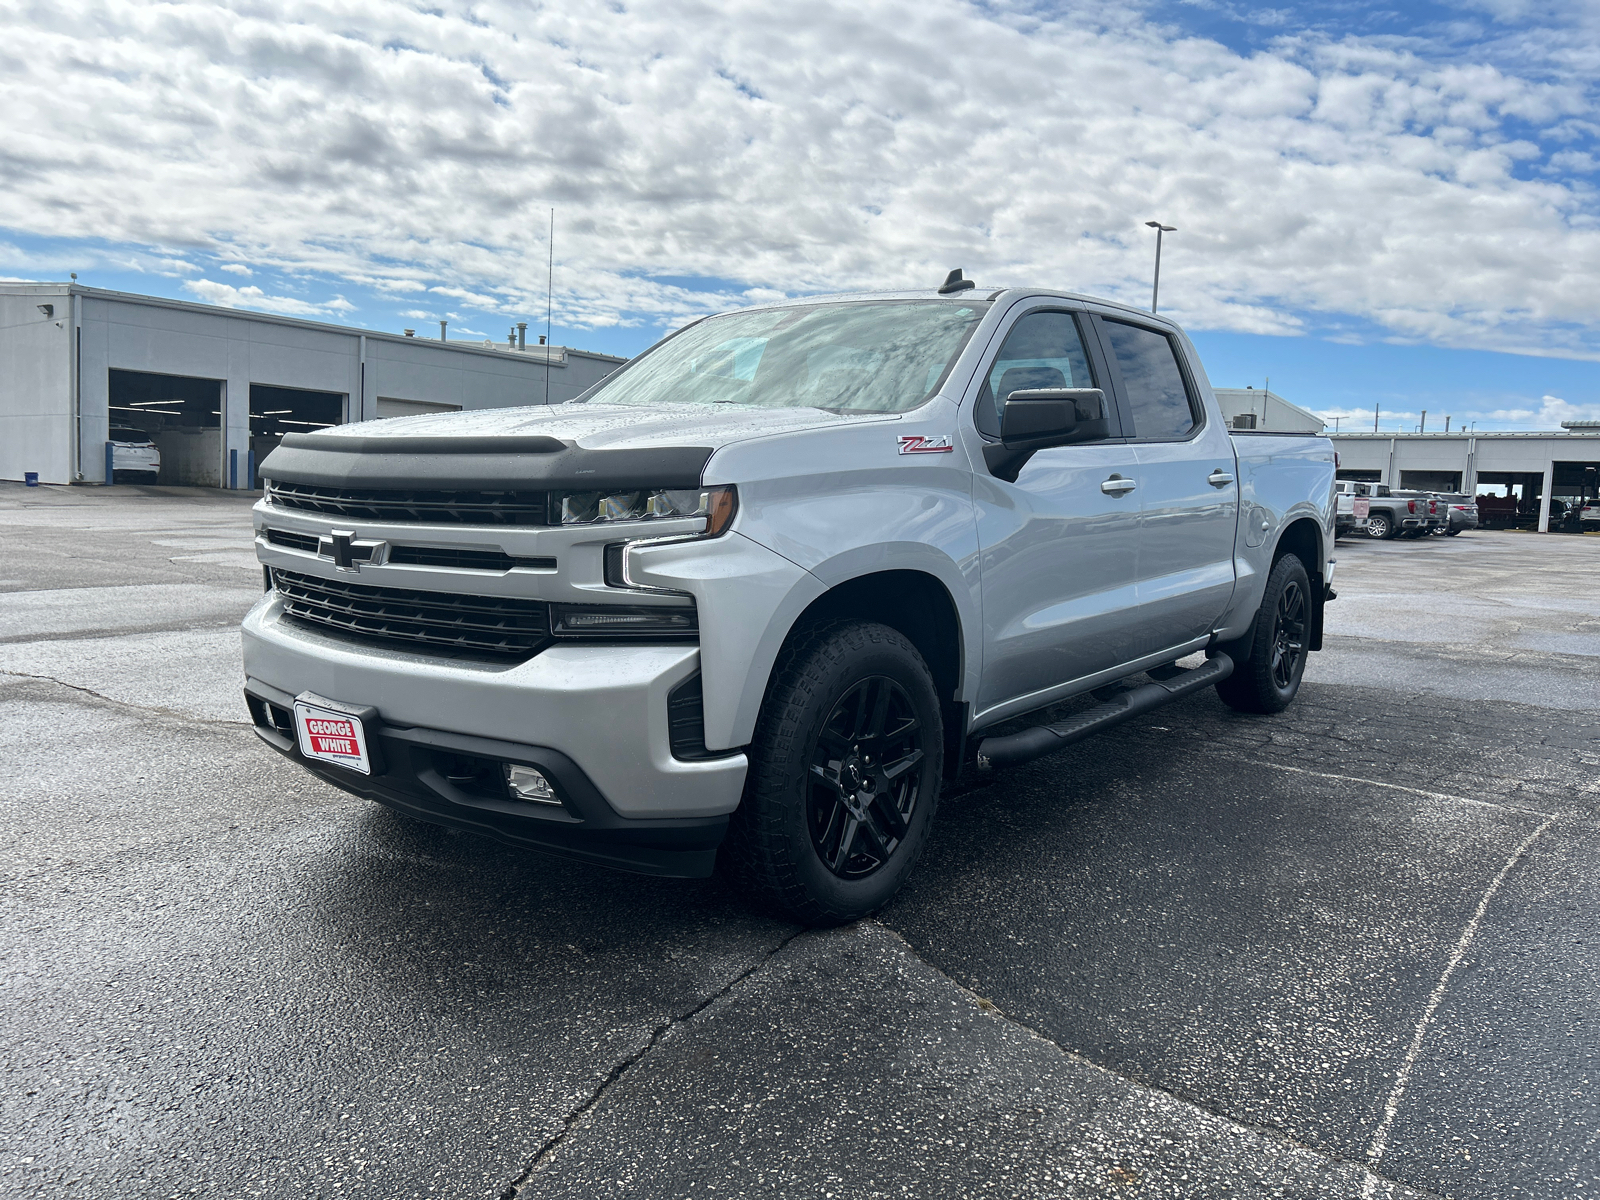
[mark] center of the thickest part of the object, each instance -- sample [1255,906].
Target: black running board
[1033,743]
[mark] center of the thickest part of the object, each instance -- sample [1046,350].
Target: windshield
[124,434]
[869,357]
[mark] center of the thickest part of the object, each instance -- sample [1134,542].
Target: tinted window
[1152,380]
[1043,350]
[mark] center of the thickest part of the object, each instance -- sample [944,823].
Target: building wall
[473,376]
[237,349]
[36,386]
[1272,411]
[1472,455]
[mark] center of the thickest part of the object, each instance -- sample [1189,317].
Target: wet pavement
[1344,951]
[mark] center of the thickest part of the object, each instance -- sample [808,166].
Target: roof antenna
[549,293]
[954,283]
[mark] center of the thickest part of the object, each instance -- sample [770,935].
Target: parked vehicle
[1461,512]
[1426,506]
[761,590]
[1353,506]
[134,457]
[1391,514]
[1574,516]
[1507,512]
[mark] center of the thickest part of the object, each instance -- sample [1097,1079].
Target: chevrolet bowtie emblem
[347,553]
[342,540]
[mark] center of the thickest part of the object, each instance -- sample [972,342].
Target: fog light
[527,784]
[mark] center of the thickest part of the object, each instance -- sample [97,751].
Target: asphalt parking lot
[1346,951]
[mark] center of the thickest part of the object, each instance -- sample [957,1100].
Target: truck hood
[608,426]
[568,446]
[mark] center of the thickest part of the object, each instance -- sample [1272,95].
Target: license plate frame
[331,732]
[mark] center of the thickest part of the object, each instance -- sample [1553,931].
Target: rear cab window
[1153,384]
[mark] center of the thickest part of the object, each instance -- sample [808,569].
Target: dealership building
[216,389]
[1522,480]
[1531,480]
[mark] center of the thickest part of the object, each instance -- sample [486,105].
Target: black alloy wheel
[1270,660]
[863,791]
[845,769]
[1289,626]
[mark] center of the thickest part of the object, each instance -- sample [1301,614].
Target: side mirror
[1041,418]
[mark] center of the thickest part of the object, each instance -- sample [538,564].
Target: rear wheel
[844,776]
[1269,663]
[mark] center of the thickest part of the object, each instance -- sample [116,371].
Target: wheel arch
[1303,539]
[918,605]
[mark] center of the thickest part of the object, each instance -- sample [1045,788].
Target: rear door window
[1043,350]
[1158,398]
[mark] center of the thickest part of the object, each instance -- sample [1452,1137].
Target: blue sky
[1375,203]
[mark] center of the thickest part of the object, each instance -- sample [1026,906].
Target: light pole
[1155,288]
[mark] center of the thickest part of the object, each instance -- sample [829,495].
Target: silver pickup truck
[755,596]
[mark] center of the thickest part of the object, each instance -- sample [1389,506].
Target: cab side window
[1152,381]
[1043,350]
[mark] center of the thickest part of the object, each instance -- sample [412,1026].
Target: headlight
[717,505]
[618,621]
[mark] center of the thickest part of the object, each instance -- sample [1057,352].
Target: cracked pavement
[1204,955]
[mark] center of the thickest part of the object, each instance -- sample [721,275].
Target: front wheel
[1269,663]
[844,776]
[1378,526]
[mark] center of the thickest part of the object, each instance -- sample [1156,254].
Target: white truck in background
[1354,506]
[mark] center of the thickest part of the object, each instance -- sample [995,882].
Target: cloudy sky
[1376,203]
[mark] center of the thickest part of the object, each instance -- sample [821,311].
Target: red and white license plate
[332,736]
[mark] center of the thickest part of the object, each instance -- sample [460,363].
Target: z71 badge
[916,443]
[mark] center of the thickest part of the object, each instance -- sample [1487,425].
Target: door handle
[1219,478]
[1117,486]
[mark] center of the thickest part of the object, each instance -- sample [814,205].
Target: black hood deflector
[512,462]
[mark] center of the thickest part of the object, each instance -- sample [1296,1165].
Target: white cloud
[236,268]
[1551,412]
[820,147]
[1547,413]
[250,296]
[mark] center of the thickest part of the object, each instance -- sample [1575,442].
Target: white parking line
[1397,787]
[1380,1139]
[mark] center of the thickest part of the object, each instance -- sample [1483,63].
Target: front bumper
[453,780]
[124,459]
[597,714]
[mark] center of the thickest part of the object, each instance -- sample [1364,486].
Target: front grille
[294,541]
[489,627]
[464,560]
[416,507]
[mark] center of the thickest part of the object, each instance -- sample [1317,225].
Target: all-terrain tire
[1269,662]
[806,772]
